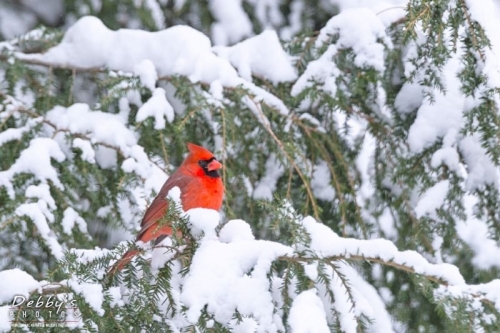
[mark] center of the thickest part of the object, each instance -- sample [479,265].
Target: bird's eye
[204,163]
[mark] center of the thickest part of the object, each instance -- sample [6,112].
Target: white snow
[230,272]
[178,50]
[321,70]
[147,73]
[251,58]
[91,292]
[343,305]
[490,291]
[447,156]
[234,231]
[72,218]
[15,22]
[327,244]
[116,296]
[267,184]
[36,159]
[156,13]
[204,221]
[5,318]
[320,182]
[230,269]
[358,29]
[16,282]
[369,301]
[100,126]
[139,163]
[232,23]
[158,107]
[12,134]
[409,98]
[220,278]
[42,192]
[39,214]
[88,153]
[476,234]
[430,124]
[105,157]
[486,14]
[432,199]
[307,314]
[481,170]
[295,21]
[86,256]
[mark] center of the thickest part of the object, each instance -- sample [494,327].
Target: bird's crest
[198,152]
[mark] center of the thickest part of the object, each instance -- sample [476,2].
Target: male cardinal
[201,187]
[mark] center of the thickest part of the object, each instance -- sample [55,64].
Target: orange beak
[214,165]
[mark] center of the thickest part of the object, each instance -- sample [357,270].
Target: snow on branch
[233,274]
[87,128]
[326,244]
[357,29]
[98,135]
[179,50]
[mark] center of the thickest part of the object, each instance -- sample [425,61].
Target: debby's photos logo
[45,311]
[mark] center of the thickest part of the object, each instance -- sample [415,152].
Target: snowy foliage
[361,163]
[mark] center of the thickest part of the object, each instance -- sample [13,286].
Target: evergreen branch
[336,182]
[7,222]
[307,48]
[345,282]
[411,24]
[223,116]
[475,42]
[289,184]
[390,8]
[265,122]
[10,114]
[415,223]
[340,157]
[188,116]
[163,148]
[355,257]
[389,263]
[65,130]
[407,207]
[22,109]
[52,65]
[335,178]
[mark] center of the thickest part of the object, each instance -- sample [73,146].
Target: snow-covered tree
[361,151]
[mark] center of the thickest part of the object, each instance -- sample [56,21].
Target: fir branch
[265,122]
[475,42]
[355,257]
[52,65]
[33,114]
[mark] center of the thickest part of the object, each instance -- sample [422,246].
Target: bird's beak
[214,165]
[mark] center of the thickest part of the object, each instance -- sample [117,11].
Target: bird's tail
[130,254]
[120,264]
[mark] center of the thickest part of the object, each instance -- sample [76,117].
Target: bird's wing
[150,226]
[158,209]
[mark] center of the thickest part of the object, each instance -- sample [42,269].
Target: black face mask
[204,165]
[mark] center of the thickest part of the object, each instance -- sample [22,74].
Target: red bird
[201,187]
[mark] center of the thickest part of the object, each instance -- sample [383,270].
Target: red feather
[199,189]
